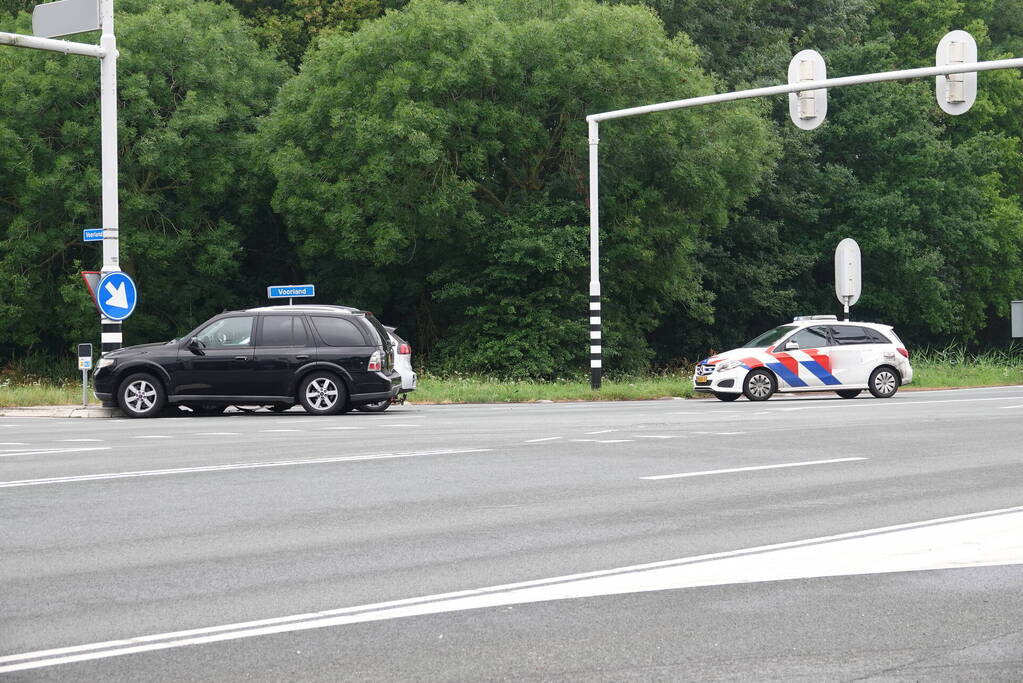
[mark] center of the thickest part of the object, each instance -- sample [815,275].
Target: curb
[60,411]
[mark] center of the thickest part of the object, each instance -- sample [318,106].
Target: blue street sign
[92,234]
[116,295]
[289,291]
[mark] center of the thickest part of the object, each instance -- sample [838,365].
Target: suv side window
[228,332]
[282,330]
[848,335]
[809,338]
[338,331]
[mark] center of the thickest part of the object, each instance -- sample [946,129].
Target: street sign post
[847,273]
[65,17]
[290,291]
[116,296]
[92,235]
[1016,309]
[85,364]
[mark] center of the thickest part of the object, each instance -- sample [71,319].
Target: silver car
[403,366]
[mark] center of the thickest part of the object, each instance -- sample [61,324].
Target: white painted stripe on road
[151,436]
[50,451]
[974,540]
[750,469]
[13,443]
[652,436]
[235,466]
[603,431]
[82,440]
[546,438]
[1010,407]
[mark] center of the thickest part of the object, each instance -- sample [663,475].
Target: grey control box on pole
[1016,312]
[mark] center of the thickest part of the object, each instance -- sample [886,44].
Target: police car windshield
[770,337]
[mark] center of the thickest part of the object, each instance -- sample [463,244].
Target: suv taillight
[404,350]
[376,362]
[904,352]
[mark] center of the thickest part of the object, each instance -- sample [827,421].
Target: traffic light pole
[593,122]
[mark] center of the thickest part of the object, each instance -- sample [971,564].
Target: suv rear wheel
[323,393]
[141,395]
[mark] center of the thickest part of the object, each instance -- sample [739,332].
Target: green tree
[433,165]
[191,85]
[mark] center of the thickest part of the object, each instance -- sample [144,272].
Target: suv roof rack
[347,310]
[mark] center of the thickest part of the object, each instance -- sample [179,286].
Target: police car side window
[848,335]
[810,338]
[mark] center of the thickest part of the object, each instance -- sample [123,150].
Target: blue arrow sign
[92,234]
[116,295]
[289,291]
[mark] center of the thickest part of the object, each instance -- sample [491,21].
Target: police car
[812,353]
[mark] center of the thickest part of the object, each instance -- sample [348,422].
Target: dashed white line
[1009,407]
[603,431]
[235,466]
[749,469]
[546,438]
[51,451]
[13,443]
[82,440]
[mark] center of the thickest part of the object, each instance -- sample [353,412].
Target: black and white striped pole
[955,74]
[596,354]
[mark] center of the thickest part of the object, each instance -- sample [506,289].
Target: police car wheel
[849,393]
[884,382]
[726,397]
[759,385]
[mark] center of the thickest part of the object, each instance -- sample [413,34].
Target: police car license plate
[700,379]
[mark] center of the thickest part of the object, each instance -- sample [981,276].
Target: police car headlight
[728,365]
[104,363]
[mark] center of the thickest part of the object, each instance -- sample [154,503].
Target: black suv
[328,358]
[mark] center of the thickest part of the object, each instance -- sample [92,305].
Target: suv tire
[376,407]
[141,395]
[323,393]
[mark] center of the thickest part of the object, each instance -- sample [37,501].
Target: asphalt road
[807,538]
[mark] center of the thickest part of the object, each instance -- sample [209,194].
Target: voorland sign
[289,291]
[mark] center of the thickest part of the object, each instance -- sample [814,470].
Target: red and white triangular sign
[92,278]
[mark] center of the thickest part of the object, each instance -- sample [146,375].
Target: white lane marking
[37,451]
[603,431]
[217,434]
[727,433]
[1009,407]
[235,466]
[546,438]
[974,540]
[652,436]
[750,469]
[280,430]
[329,428]
[82,440]
[614,440]
[151,436]
[13,443]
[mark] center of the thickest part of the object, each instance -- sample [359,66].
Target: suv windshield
[770,337]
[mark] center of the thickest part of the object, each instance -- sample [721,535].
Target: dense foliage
[428,161]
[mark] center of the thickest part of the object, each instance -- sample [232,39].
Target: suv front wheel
[323,393]
[141,395]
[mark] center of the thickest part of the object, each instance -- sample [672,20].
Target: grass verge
[932,371]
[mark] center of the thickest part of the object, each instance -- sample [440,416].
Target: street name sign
[290,291]
[65,17]
[116,295]
[92,235]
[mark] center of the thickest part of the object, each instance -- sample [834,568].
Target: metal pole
[594,119]
[85,388]
[595,330]
[111,336]
[67,47]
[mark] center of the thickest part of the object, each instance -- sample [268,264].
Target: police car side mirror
[791,345]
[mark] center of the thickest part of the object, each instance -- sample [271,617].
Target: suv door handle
[304,356]
[241,357]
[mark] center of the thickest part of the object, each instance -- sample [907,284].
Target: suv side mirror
[195,346]
[791,345]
